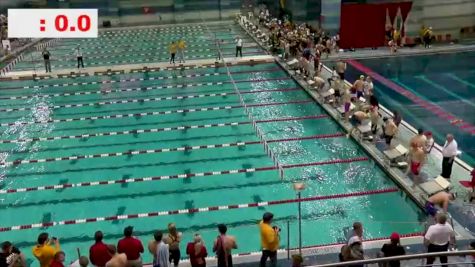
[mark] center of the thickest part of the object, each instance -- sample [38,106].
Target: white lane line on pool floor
[193,75]
[180,176]
[162,150]
[153,113]
[153,99]
[199,210]
[148,88]
[156,130]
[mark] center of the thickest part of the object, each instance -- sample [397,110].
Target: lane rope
[148,88]
[163,150]
[169,77]
[198,210]
[156,130]
[179,176]
[152,99]
[152,113]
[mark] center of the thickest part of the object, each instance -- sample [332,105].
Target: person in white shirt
[79,57]
[449,152]
[438,238]
[238,46]
[162,254]
[368,87]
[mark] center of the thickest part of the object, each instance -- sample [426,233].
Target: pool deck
[130,68]
[461,211]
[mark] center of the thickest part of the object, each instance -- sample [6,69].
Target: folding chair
[470,185]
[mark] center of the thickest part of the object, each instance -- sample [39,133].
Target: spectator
[223,246]
[181,50]
[132,247]
[44,251]
[356,231]
[172,48]
[173,241]
[59,258]
[79,57]
[297,260]
[161,255]
[117,259]
[449,152]
[98,253]
[353,250]
[46,55]
[11,256]
[269,240]
[83,261]
[429,142]
[438,238]
[238,46]
[197,252]
[397,118]
[391,249]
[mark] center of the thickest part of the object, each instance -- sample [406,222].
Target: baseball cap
[394,236]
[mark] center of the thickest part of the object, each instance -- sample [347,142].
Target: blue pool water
[446,80]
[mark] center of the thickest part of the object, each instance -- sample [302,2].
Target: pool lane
[323,172]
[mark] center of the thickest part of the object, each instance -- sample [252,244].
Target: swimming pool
[142,46]
[435,92]
[93,139]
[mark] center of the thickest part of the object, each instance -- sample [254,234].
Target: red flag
[147,10]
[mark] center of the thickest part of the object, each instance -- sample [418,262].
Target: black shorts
[388,139]
[175,256]
[342,75]
[337,93]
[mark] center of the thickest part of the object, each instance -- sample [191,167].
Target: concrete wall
[443,15]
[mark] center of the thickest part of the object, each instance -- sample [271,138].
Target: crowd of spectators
[165,248]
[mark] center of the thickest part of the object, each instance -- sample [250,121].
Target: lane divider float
[163,150]
[152,113]
[148,88]
[199,210]
[179,176]
[153,99]
[156,130]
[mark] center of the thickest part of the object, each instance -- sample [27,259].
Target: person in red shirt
[197,252]
[98,253]
[59,258]
[132,247]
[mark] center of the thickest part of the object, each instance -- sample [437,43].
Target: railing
[402,258]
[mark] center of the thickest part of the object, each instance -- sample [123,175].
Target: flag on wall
[388,25]
[398,21]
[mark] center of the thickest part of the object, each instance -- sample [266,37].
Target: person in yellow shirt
[173,47]
[181,50]
[269,240]
[44,251]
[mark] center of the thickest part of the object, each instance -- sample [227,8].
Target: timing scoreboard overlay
[52,23]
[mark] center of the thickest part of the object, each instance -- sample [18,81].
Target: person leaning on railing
[438,238]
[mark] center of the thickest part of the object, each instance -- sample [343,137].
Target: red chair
[470,184]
